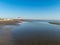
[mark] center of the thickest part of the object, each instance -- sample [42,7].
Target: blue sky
[40,9]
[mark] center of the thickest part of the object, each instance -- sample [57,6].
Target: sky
[30,9]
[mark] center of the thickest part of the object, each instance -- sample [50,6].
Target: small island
[57,23]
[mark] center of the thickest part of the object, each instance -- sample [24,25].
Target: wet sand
[5,36]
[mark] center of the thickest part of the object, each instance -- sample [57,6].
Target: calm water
[33,33]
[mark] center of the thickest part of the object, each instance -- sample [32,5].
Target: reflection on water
[36,34]
[30,33]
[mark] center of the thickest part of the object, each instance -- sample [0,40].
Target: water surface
[35,31]
[31,33]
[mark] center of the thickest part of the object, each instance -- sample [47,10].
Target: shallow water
[31,33]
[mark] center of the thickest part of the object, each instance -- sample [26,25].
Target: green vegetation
[1,18]
[7,19]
